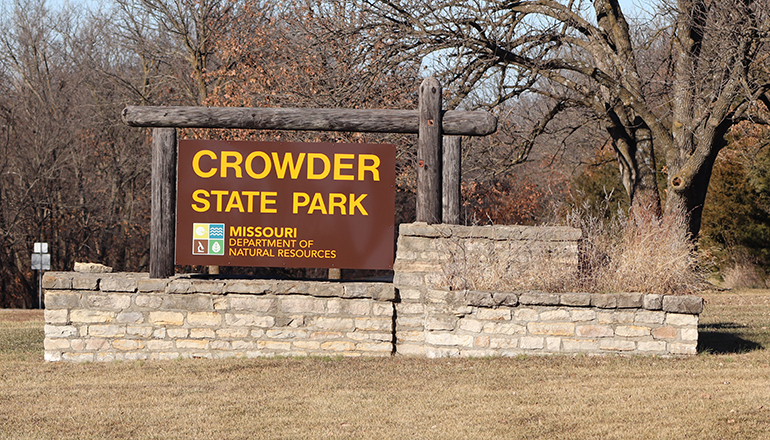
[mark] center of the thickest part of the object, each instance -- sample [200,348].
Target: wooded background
[598,109]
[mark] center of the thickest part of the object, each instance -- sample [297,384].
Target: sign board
[41,259]
[284,204]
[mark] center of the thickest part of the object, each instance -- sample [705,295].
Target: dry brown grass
[721,393]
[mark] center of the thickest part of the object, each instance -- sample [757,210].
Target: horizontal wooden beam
[476,123]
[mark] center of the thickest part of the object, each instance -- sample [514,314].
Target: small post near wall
[429,156]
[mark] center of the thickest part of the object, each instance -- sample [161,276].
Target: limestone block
[56,316]
[688,334]
[159,333]
[402,280]
[652,302]
[250,302]
[192,344]
[446,338]
[410,336]
[594,331]
[605,317]
[504,328]
[582,315]
[130,317]
[139,330]
[539,299]
[526,315]
[152,284]
[287,287]
[167,318]
[651,346]
[77,357]
[553,344]
[604,300]
[91,268]
[501,314]
[667,332]
[629,300]
[471,325]
[249,320]
[57,281]
[380,308]
[283,333]
[625,317]
[555,315]
[338,346]
[678,319]
[118,283]
[409,309]
[107,330]
[632,330]
[109,302]
[60,331]
[358,307]
[232,333]
[302,304]
[193,302]
[127,344]
[441,322]
[410,350]
[304,344]
[409,294]
[204,319]
[616,345]
[52,356]
[78,344]
[479,299]
[531,343]
[56,344]
[148,301]
[325,323]
[505,299]
[551,328]
[85,282]
[220,345]
[683,304]
[683,348]
[503,343]
[481,342]
[61,300]
[326,289]
[579,345]
[650,317]
[243,345]
[374,324]
[97,344]
[202,333]
[575,299]
[378,291]
[253,287]
[375,347]
[177,333]
[326,335]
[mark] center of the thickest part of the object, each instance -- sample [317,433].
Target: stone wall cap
[689,304]
[91,268]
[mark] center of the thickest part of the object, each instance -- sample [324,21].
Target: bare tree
[579,53]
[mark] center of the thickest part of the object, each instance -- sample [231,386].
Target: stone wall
[433,321]
[102,317]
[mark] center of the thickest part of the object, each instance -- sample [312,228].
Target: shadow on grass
[722,338]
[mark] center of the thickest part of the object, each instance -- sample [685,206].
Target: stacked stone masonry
[123,316]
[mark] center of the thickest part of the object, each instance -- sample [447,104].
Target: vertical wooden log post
[429,153]
[450,191]
[163,205]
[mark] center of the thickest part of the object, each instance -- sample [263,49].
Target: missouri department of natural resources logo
[208,239]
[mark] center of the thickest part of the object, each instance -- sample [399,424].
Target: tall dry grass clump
[618,253]
[641,252]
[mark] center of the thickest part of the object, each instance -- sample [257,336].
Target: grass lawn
[722,393]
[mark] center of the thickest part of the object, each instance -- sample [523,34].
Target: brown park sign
[285,204]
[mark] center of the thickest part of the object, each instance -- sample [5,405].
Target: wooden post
[163,205]
[429,153]
[450,191]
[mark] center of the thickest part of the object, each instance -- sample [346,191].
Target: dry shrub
[743,275]
[620,253]
[506,265]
